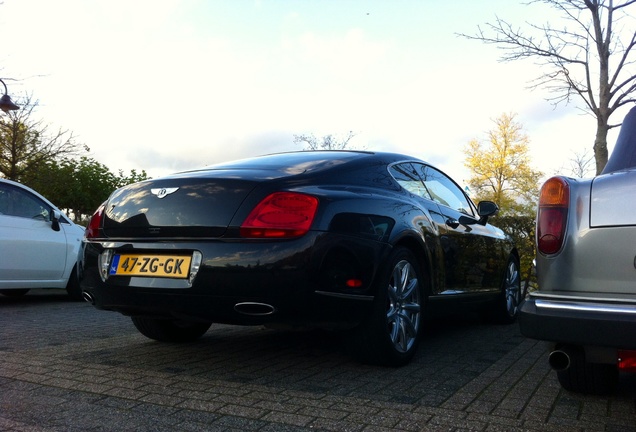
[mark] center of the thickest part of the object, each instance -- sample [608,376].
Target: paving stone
[65,366]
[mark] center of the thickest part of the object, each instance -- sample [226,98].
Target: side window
[408,178]
[444,191]
[20,203]
[5,201]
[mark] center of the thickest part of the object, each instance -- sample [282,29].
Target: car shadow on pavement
[452,354]
[36,296]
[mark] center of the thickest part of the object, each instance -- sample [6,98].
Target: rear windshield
[293,163]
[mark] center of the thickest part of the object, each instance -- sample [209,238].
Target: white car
[39,244]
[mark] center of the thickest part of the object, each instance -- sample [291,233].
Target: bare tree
[581,164]
[26,143]
[327,142]
[586,59]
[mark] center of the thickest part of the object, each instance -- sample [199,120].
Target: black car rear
[195,235]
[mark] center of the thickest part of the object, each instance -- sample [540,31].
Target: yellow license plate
[167,266]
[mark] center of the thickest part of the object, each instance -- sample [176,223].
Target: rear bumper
[579,322]
[289,282]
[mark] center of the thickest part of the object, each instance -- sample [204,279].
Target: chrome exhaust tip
[88,297]
[559,360]
[254,309]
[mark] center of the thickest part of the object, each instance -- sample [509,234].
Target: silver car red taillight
[552,217]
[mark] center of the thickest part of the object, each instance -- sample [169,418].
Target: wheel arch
[515,252]
[73,287]
[418,247]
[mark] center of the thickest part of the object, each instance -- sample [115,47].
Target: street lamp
[6,104]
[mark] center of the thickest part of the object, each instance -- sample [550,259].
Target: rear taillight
[627,360]
[92,231]
[281,215]
[552,217]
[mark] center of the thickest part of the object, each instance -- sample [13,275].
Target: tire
[588,378]
[390,335]
[73,288]
[166,330]
[14,292]
[506,308]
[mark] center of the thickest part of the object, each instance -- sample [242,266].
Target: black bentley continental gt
[363,242]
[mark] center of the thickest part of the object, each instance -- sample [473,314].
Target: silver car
[586,268]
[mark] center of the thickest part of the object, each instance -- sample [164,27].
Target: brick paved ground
[65,366]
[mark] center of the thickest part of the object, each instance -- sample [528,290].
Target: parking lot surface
[65,366]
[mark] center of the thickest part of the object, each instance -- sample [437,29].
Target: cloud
[173,85]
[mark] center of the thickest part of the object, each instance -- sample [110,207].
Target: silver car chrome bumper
[579,322]
[586,307]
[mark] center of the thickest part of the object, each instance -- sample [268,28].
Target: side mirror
[55,220]
[485,209]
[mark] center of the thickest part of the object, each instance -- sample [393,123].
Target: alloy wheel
[404,307]
[512,287]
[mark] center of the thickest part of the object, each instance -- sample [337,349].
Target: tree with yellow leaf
[500,168]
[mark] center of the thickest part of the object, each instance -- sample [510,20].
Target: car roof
[34,192]
[299,162]
[624,153]
[25,187]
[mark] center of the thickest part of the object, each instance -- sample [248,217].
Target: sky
[171,85]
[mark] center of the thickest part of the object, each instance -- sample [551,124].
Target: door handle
[453,223]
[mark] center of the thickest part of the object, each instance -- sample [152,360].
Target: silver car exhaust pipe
[88,297]
[254,309]
[560,359]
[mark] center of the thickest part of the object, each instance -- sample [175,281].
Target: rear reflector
[627,360]
[281,215]
[354,283]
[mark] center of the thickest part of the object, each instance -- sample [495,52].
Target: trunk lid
[176,206]
[613,199]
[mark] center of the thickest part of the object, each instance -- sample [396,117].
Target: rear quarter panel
[594,261]
[397,217]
